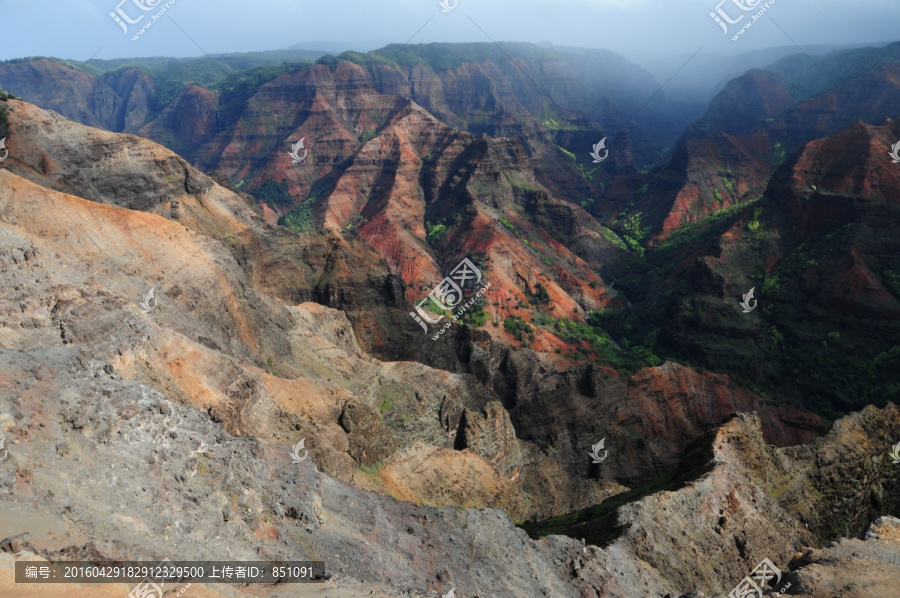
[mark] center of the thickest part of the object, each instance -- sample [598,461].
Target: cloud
[76,29]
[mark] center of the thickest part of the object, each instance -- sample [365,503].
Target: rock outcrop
[736,500]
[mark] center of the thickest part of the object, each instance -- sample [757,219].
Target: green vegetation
[520,329]
[633,232]
[4,113]
[518,235]
[769,284]
[237,88]
[836,369]
[477,316]
[799,260]
[833,337]
[434,233]
[627,358]
[540,294]
[568,153]
[479,258]
[587,174]
[844,370]
[892,281]
[553,121]
[301,219]
[613,237]
[356,221]
[632,227]
[373,469]
[777,337]
[236,77]
[442,57]
[718,196]
[779,154]
[695,231]
[275,194]
[433,307]
[368,134]
[386,404]
[753,225]
[804,79]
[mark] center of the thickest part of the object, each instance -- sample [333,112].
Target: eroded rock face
[647,419]
[491,435]
[675,402]
[750,129]
[754,501]
[820,250]
[84,98]
[189,122]
[854,568]
[370,440]
[89,380]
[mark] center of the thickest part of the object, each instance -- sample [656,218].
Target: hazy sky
[77,29]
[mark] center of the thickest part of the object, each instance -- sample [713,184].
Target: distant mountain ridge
[431,153]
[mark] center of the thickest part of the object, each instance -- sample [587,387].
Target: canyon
[283,294]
